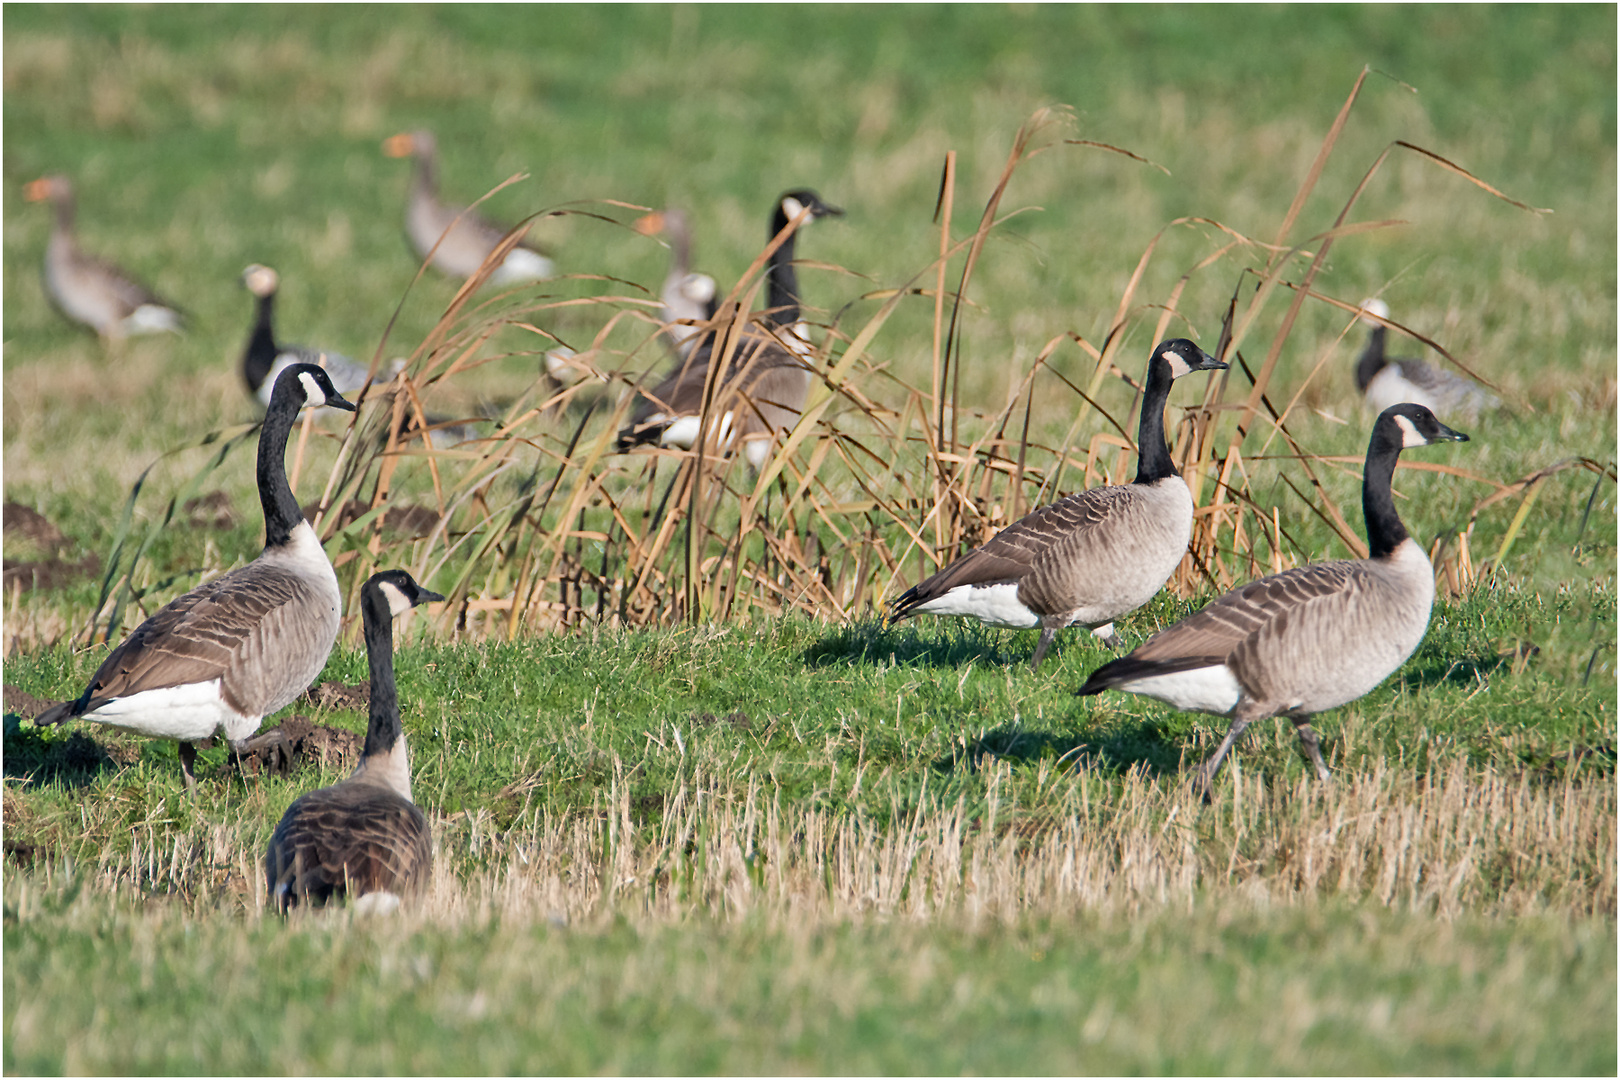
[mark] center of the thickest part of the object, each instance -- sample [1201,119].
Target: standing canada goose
[1384,382]
[1087,559]
[363,837]
[229,652]
[769,372]
[1305,640]
[89,290]
[464,239]
[688,298]
[265,359]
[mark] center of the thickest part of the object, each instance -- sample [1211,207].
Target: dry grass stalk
[1444,840]
[542,525]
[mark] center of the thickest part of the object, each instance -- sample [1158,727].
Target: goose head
[398,591]
[261,281]
[309,385]
[795,202]
[55,188]
[1376,308]
[1408,425]
[417,144]
[1182,357]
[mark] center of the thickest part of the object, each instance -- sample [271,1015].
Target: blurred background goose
[363,837]
[89,290]
[1305,640]
[265,358]
[1089,558]
[464,239]
[1384,381]
[233,650]
[762,393]
[688,298]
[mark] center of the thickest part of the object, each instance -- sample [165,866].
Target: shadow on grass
[953,645]
[1111,750]
[72,762]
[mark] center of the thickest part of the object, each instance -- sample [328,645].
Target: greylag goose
[90,290]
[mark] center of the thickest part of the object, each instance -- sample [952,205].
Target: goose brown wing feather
[351,838]
[1230,628]
[1010,554]
[218,630]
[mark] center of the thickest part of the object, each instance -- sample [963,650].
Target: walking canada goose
[1384,382]
[769,376]
[265,359]
[688,298]
[1087,559]
[1305,640]
[89,290]
[363,837]
[231,651]
[464,239]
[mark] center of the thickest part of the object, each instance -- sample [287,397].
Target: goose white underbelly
[995,605]
[191,712]
[1212,689]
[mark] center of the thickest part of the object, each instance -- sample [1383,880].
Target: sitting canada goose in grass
[89,290]
[1305,640]
[231,651]
[688,298]
[464,239]
[1384,382]
[1087,559]
[265,359]
[763,392]
[363,837]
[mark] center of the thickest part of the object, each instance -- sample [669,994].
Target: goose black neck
[260,356]
[384,728]
[781,279]
[1372,358]
[1153,461]
[1385,530]
[281,512]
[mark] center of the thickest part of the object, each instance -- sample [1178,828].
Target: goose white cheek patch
[312,389]
[398,602]
[1178,364]
[1410,436]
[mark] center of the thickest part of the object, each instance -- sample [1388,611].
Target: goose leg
[1212,765]
[188,767]
[1313,747]
[1047,634]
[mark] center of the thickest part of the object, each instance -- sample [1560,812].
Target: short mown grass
[793,839]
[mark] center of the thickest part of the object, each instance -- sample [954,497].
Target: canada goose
[1384,382]
[232,650]
[265,359]
[89,290]
[688,298]
[781,278]
[769,372]
[1305,640]
[1087,559]
[363,837]
[464,238]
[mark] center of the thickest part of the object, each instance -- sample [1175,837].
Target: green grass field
[722,820]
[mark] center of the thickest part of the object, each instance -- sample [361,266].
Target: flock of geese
[217,660]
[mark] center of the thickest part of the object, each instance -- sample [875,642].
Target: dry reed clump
[1443,841]
[541,526]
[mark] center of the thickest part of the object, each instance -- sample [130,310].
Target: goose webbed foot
[1109,636]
